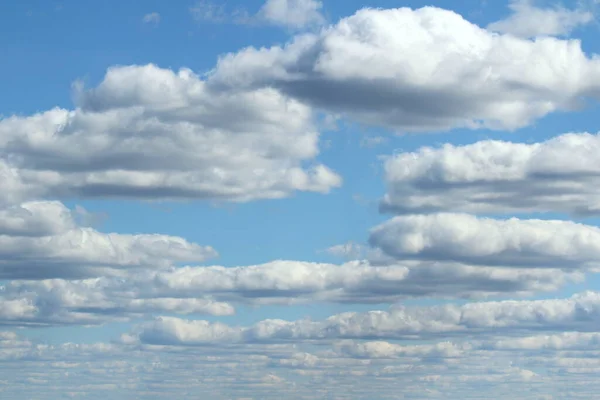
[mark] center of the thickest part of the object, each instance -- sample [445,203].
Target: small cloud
[373,141]
[529,21]
[295,14]
[151,18]
[348,250]
[208,11]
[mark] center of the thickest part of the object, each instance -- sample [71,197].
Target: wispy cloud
[151,18]
[528,20]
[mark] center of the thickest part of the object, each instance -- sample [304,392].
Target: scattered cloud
[530,21]
[557,175]
[151,18]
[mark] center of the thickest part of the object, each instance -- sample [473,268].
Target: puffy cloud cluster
[561,174]
[152,133]
[423,69]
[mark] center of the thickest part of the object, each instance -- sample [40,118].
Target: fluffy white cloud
[42,240]
[295,14]
[561,174]
[527,20]
[147,132]
[579,313]
[485,241]
[424,69]
[89,302]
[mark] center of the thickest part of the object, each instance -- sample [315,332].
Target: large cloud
[486,241]
[579,313]
[147,132]
[42,240]
[424,69]
[561,174]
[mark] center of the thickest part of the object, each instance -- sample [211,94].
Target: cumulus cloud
[415,70]
[296,14]
[152,133]
[528,21]
[42,240]
[561,174]
[579,313]
[485,241]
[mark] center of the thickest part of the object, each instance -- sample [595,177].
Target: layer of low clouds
[527,20]
[420,70]
[561,174]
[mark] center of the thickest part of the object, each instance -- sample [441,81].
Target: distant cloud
[207,11]
[294,14]
[151,18]
[527,20]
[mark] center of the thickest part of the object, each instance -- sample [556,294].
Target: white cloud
[485,241]
[151,133]
[296,14]
[214,290]
[42,240]
[561,174]
[425,69]
[528,21]
[151,18]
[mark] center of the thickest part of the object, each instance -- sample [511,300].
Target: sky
[299,199]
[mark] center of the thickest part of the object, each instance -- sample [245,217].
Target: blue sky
[210,179]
